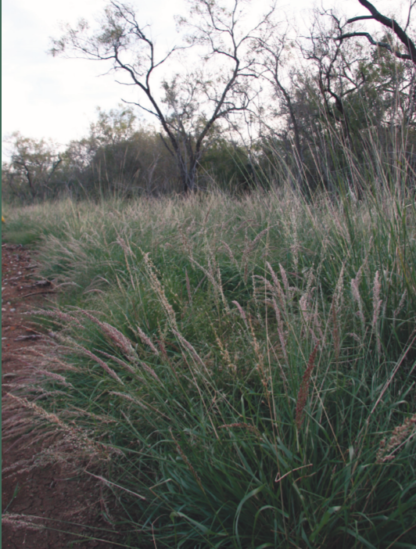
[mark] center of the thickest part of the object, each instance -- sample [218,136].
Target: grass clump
[249,364]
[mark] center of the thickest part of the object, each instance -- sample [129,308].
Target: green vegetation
[239,371]
[233,344]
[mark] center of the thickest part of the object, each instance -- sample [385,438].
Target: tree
[34,164]
[218,43]
[119,156]
[391,24]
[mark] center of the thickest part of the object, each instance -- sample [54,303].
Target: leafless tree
[272,47]
[391,24]
[218,43]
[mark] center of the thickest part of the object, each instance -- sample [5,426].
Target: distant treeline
[336,113]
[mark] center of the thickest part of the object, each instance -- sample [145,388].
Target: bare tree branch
[389,23]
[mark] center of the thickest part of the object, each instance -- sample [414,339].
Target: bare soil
[49,507]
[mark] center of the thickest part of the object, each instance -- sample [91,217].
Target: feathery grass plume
[285,280]
[220,288]
[304,387]
[146,340]
[103,365]
[146,406]
[281,333]
[149,370]
[75,436]
[291,230]
[123,244]
[53,375]
[376,309]
[17,520]
[127,252]
[335,332]
[229,252]
[192,351]
[251,428]
[355,337]
[121,341]
[336,305]
[399,307]
[400,435]
[159,290]
[279,290]
[355,289]
[242,313]
[304,307]
[55,313]
[186,243]
[126,365]
[249,247]
[225,354]
[188,288]
[337,298]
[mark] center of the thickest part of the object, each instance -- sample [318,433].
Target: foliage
[243,369]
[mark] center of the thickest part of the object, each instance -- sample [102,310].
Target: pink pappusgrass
[103,365]
[114,335]
[398,438]
[304,387]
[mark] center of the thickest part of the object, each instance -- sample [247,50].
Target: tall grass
[247,367]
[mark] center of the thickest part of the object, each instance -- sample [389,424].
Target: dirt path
[39,505]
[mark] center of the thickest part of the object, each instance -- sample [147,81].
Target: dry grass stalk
[304,387]
[54,376]
[394,372]
[284,279]
[191,349]
[249,247]
[225,354]
[399,307]
[251,428]
[241,311]
[146,406]
[121,341]
[186,243]
[335,332]
[65,435]
[398,438]
[217,285]
[304,307]
[336,306]
[64,317]
[123,244]
[159,290]
[16,520]
[109,483]
[224,301]
[101,363]
[278,287]
[229,252]
[146,340]
[376,309]
[149,370]
[355,289]
[125,365]
[280,478]
[188,288]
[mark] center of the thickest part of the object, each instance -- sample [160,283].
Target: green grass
[235,365]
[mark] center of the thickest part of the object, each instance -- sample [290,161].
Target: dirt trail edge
[50,507]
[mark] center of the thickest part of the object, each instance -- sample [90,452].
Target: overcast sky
[46,97]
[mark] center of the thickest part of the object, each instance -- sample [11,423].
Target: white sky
[46,97]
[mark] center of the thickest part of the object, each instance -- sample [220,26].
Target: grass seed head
[304,387]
